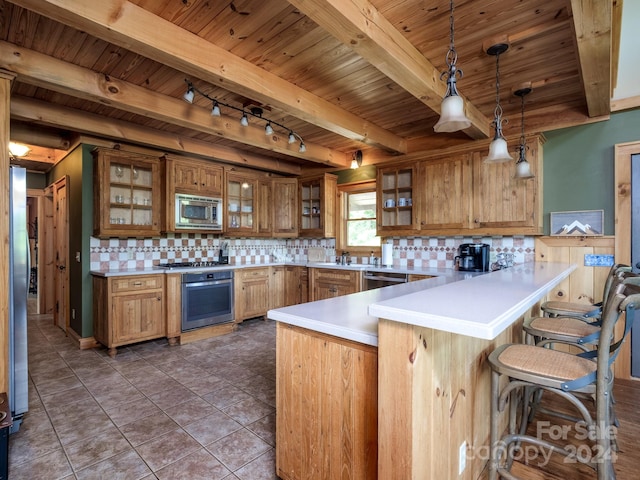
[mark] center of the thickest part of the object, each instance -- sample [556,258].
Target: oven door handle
[207,283]
[386,279]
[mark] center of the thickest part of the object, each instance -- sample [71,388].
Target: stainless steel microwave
[198,213]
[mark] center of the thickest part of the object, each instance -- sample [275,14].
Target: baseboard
[84,343]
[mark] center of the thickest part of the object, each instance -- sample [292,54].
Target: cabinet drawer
[337,276]
[137,282]
[253,273]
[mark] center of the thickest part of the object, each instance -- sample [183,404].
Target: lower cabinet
[128,310]
[330,282]
[296,285]
[251,292]
[327,404]
[277,287]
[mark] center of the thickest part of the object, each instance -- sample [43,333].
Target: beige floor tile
[35,438]
[48,387]
[124,466]
[205,384]
[92,450]
[248,411]
[200,465]
[265,428]
[190,411]
[126,413]
[238,449]
[167,449]
[51,466]
[212,427]
[66,397]
[170,398]
[225,396]
[262,468]
[148,428]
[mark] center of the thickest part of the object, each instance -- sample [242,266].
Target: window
[359,217]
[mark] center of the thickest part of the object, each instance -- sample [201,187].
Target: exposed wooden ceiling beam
[360,26]
[47,72]
[592,23]
[131,27]
[48,114]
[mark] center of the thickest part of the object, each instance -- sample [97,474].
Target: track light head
[244,121]
[268,130]
[215,111]
[189,94]
[302,148]
[292,138]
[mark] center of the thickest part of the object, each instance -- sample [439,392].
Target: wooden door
[61,249]
[137,317]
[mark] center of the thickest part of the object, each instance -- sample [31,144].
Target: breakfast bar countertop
[479,306]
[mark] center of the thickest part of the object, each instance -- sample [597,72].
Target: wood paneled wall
[585,284]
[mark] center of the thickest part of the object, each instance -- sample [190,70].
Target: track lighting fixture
[356,160]
[255,112]
[498,151]
[452,116]
[523,168]
[18,149]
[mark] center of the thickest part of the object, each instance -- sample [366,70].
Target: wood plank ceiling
[343,74]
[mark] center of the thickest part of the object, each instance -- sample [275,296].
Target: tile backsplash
[435,252]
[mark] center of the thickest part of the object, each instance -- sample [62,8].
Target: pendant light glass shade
[523,168]
[452,116]
[215,111]
[189,95]
[18,149]
[498,151]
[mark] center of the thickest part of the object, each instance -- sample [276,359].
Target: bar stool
[530,367]
[556,308]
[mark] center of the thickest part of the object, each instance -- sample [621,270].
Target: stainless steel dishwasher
[374,279]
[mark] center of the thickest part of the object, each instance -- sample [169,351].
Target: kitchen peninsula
[393,383]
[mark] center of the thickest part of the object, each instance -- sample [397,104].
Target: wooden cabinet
[505,204]
[264,208]
[327,404]
[284,207]
[127,194]
[330,283]
[251,292]
[317,203]
[397,205]
[277,287]
[444,187]
[128,309]
[241,191]
[195,177]
[296,281]
[414,277]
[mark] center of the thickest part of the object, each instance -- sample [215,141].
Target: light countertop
[480,305]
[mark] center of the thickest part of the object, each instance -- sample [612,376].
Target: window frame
[341,233]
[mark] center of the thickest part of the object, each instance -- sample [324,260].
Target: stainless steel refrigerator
[18,284]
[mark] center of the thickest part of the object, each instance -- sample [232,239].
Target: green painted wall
[579,166]
[78,168]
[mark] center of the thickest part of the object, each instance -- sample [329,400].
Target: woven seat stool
[555,308]
[572,377]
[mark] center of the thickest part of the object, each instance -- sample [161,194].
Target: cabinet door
[127,194]
[284,207]
[264,208]
[211,180]
[277,296]
[241,194]
[503,203]
[317,202]
[186,178]
[396,212]
[446,193]
[296,285]
[252,293]
[137,317]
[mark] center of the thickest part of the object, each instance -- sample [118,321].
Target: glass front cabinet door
[127,194]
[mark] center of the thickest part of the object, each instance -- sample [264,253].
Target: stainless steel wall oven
[207,298]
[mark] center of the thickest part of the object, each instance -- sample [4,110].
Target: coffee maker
[473,257]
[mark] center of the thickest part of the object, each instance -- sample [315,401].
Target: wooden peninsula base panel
[434,395]
[326,404]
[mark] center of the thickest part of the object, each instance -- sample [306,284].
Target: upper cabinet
[505,204]
[317,203]
[397,207]
[195,177]
[444,187]
[241,192]
[283,207]
[127,194]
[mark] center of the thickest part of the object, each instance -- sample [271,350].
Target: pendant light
[452,116]
[356,159]
[523,168]
[498,151]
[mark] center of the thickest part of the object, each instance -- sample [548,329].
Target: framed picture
[583,223]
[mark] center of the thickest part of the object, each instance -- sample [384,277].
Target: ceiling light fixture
[255,112]
[18,149]
[498,151]
[523,168]
[452,116]
[356,160]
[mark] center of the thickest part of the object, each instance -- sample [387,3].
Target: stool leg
[495,418]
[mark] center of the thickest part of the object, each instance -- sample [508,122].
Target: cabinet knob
[159,298]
